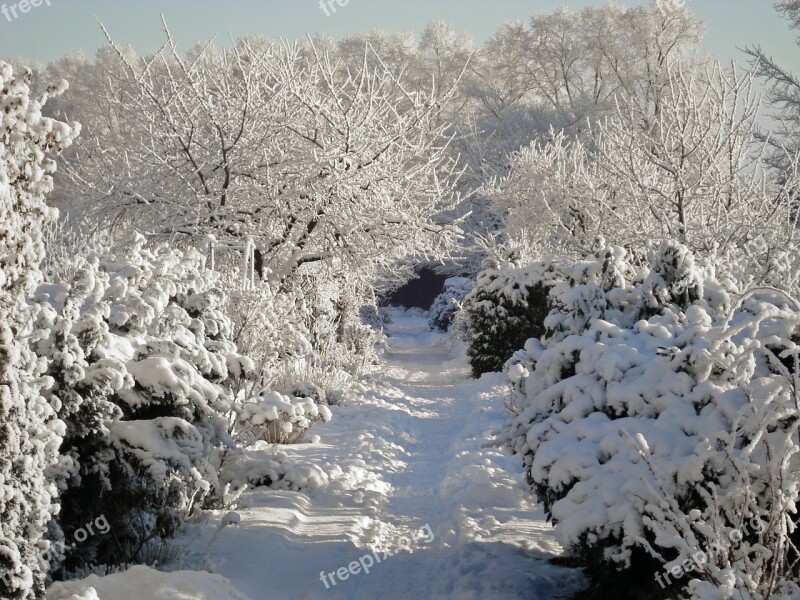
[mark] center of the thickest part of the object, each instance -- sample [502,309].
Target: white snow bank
[144,582]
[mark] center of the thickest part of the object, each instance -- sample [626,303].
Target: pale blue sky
[48,32]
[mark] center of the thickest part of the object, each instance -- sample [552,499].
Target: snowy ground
[406,464]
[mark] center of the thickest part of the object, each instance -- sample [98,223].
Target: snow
[143,582]
[410,452]
[30,430]
[413,451]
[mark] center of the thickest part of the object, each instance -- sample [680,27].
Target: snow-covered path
[407,462]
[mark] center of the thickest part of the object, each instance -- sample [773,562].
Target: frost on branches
[147,379]
[657,416]
[693,171]
[326,181]
[280,148]
[30,432]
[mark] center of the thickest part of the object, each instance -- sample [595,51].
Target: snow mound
[144,582]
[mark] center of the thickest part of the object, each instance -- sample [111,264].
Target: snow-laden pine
[30,432]
[505,308]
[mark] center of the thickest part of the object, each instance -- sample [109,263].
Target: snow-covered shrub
[506,307]
[298,377]
[447,304]
[657,424]
[279,419]
[144,582]
[308,390]
[30,432]
[267,465]
[147,379]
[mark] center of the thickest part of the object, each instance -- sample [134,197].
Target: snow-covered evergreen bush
[148,381]
[30,432]
[657,416]
[506,307]
[447,304]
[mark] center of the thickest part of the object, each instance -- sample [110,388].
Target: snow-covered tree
[559,73]
[396,51]
[30,432]
[280,144]
[692,172]
[565,69]
[286,163]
